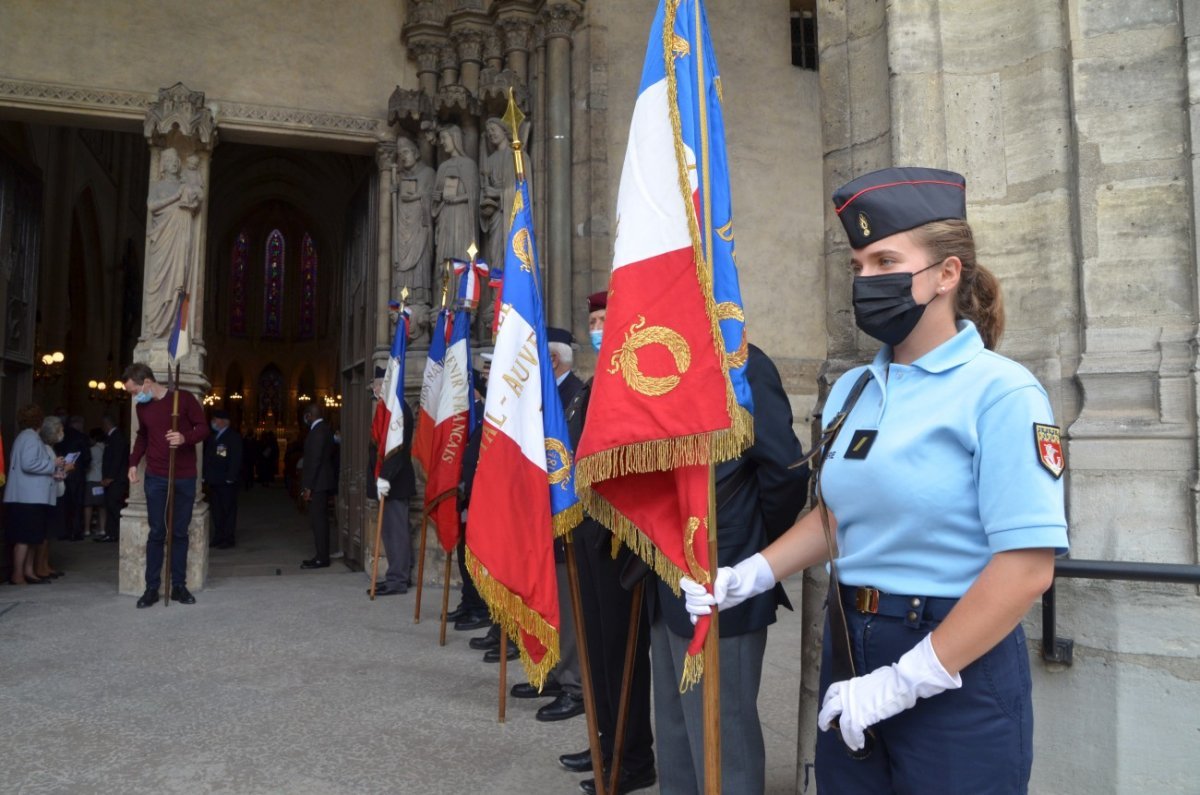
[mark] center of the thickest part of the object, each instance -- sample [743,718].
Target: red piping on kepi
[850,201]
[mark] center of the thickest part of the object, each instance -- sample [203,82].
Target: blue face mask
[143,397]
[214,426]
[596,335]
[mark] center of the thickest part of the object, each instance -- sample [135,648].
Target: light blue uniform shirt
[952,475]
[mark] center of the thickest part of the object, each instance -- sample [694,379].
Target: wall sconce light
[304,398]
[235,395]
[332,402]
[210,400]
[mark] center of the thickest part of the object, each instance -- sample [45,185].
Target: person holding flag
[157,443]
[392,478]
[670,398]
[523,493]
[925,683]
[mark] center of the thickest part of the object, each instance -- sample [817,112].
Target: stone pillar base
[135,529]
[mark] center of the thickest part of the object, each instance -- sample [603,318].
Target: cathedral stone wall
[298,54]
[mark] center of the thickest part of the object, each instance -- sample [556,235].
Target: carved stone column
[492,52]
[517,30]
[448,64]
[560,19]
[469,44]
[385,161]
[181,132]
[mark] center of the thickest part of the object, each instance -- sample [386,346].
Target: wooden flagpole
[635,616]
[171,485]
[378,541]
[585,668]
[712,660]
[503,674]
[446,596]
[421,566]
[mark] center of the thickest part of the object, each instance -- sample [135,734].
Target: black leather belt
[910,609]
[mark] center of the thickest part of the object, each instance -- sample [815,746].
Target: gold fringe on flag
[566,521]
[693,671]
[513,615]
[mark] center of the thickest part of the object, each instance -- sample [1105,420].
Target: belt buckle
[867,600]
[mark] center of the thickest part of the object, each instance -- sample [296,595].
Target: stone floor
[280,681]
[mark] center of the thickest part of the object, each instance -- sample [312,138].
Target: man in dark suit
[114,477]
[222,470]
[395,485]
[758,498]
[317,482]
[74,442]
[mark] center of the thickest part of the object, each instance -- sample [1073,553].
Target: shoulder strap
[817,454]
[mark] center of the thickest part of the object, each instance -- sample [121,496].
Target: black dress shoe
[493,655]
[567,705]
[551,689]
[485,642]
[180,593]
[105,539]
[314,563]
[578,763]
[392,590]
[148,598]
[457,613]
[473,621]
[626,782]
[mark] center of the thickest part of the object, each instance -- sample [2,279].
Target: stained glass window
[237,276]
[308,288]
[273,286]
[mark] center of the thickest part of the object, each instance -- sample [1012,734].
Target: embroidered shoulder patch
[1048,442]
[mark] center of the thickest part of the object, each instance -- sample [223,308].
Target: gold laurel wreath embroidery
[563,473]
[698,574]
[521,249]
[680,47]
[725,232]
[728,310]
[625,359]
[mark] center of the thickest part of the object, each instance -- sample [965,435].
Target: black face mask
[884,306]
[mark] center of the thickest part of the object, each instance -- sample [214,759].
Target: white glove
[888,690]
[733,586]
[383,487]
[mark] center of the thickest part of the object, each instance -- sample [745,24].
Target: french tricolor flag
[431,387]
[670,397]
[470,277]
[523,494]
[180,340]
[453,422]
[388,425]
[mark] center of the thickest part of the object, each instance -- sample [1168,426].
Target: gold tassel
[567,520]
[512,614]
[693,672]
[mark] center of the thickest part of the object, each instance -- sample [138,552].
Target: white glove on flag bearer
[888,690]
[383,487]
[732,586]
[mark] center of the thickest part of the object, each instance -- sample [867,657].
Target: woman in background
[29,493]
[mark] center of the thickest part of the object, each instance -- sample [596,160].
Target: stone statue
[174,205]
[455,199]
[498,189]
[412,232]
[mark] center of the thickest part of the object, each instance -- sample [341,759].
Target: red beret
[598,301]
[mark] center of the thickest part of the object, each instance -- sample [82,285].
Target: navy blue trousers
[156,510]
[977,740]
